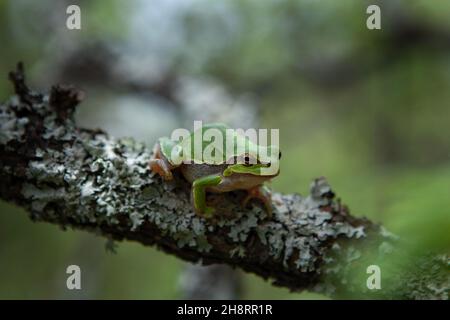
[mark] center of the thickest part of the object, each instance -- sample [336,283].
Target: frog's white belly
[193,172]
[236,181]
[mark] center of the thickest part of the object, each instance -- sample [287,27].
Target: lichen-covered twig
[86,179]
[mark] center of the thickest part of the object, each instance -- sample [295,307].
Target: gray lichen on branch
[86,179]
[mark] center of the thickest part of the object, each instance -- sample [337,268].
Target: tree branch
[86,179]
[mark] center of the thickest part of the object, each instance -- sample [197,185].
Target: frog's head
[265,163]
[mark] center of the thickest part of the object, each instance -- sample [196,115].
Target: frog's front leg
[160,164]
[262,193]
[199,194]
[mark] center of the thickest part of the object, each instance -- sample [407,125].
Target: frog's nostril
[279,155]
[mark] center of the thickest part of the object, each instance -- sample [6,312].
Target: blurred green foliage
[381,136]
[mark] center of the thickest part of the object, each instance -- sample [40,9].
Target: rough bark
[86,179]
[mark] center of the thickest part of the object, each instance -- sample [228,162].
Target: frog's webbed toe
[161,168]
[159,164]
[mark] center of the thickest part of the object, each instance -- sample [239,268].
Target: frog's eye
[247,160]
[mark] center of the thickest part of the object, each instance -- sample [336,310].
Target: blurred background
[368,109]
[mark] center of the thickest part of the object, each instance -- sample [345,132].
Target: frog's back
[186,151]
[188,142]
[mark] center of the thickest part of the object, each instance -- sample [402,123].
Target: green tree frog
[227,161]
